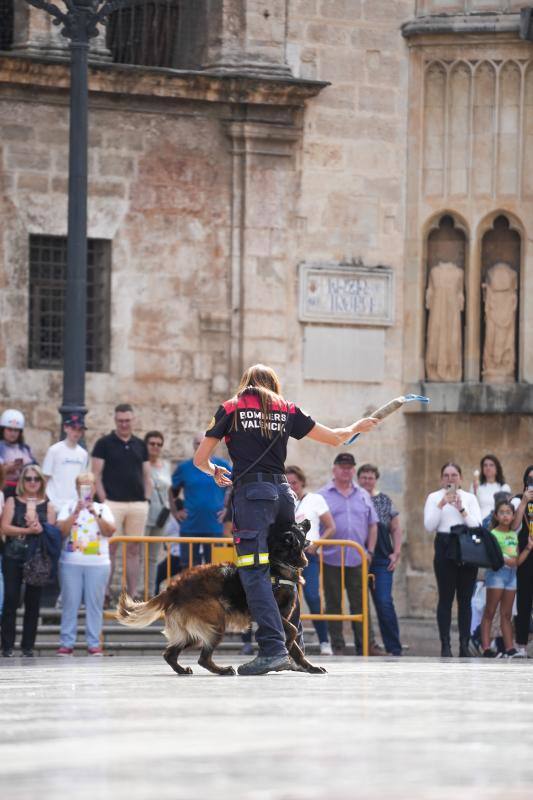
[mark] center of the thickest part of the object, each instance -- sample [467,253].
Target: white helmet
[12,419]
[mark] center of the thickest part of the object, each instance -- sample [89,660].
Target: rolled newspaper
[390,408]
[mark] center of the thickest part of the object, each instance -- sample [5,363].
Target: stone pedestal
[36,35]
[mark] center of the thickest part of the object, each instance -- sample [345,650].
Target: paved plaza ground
[377,728]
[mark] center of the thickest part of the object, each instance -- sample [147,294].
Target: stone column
[247,37]
[264,184]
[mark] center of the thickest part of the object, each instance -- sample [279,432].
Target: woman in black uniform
[256,424]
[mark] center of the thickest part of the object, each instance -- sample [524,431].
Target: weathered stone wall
[159,189]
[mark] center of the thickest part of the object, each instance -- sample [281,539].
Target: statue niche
[500,298]
[500,286]
[445,301]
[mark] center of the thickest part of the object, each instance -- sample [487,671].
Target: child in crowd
[501,584]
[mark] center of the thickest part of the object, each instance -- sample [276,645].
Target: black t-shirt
[122,476]
[244,438]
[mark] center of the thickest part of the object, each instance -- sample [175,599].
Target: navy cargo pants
[256,506]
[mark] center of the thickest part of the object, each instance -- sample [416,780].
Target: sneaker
[9,653]
[488,653]
[325,649]
[512,653]
[339,650]
[520,652]
[27,653]
[64,651]
[95,651]
[260,665]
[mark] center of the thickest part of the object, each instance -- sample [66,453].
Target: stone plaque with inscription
[346,294]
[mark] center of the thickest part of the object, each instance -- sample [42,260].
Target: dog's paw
[228,671]
[316,670]
[187,671]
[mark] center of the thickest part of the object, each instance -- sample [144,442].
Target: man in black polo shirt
[124,481]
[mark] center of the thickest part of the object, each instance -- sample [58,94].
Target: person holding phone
[22,518]
[523,523]
[14,452]
[450,506]
[84,565]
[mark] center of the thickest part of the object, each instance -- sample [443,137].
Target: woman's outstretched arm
[337,436]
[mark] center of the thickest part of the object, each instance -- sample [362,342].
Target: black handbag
[37,570]
[164,514]
[476,547]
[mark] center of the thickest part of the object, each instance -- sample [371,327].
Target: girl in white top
[313,507]
[450,506]
[84,565]
[487,482]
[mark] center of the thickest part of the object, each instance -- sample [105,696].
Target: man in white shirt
[63,462]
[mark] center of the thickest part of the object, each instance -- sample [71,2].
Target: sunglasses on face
[31,479]
[155,444]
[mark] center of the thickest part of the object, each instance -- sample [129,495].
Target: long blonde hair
[20,490]
[262,382]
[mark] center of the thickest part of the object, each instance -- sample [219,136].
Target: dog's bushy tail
[138,614]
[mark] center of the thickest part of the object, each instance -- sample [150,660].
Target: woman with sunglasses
[161,496]
[23,517]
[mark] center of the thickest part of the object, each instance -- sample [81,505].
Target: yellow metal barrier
[223,550]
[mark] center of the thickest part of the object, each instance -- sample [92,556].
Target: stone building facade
[277,188]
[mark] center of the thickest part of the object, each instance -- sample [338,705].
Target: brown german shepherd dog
[201,603]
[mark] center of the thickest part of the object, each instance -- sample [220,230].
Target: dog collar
[275,581]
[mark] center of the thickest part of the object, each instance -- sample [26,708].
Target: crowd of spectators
[126,487]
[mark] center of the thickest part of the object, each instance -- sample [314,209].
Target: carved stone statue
[445,301]
[500,297]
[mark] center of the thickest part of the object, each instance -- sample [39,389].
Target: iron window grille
[144,34]
[7,9]
[48,272]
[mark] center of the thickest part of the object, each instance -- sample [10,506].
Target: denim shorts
[503,578]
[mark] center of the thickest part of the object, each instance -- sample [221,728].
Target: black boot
[445,649]
[464,652]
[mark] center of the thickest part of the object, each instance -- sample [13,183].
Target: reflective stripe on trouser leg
[250,560]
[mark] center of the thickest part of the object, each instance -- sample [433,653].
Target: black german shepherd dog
[201,603]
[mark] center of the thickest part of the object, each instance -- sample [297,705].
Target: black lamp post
[79,23]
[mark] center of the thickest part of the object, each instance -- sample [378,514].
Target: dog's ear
[305,525]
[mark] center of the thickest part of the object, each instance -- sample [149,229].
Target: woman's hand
[221,476]
[181,515]
[449,498]
[311,550]
[528,496]
[365,424]
[35,527]
[457,502]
